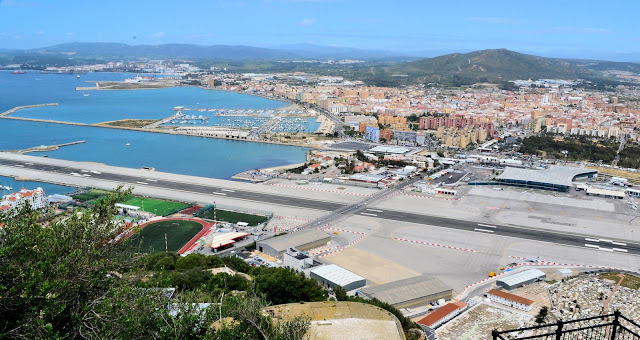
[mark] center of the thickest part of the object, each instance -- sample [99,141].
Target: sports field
[90,195]
[158,207]
[151,237]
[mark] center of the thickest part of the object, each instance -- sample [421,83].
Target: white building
[297,260]
[510,300]
[34,197]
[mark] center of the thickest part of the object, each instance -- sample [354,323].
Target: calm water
[100,106]
[208,157]
[49,189]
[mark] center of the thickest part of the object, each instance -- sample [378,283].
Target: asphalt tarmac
[582,241]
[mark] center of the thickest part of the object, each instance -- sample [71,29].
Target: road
[338,210]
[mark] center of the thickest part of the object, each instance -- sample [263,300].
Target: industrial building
[409,293]
[298,260]
[510,300]
[606,193]
[332,275]
[514,281]
[555,178]
[564,273]
[302,240]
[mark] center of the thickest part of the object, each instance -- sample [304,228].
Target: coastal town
[521,195]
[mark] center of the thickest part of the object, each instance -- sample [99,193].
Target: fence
[613,326]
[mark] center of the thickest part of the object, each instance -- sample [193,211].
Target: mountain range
[491,65]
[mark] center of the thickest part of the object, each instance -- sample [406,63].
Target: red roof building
[443,314]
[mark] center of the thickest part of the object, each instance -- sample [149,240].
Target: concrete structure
[332,275]
[511,300]
[410,293]
[341,320]
[520,279]
[297,260]
[555,178]
[564,273]
[302,240]
[443,314]
[607,193]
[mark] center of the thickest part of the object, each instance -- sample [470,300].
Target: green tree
[283,285]
[542,314]
[61,278]
[341,293]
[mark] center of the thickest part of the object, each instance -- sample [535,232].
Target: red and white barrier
[434,244]
[322,190]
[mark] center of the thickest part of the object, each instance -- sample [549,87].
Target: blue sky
[553,28]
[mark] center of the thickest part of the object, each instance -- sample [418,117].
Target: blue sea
[101,106]
[215,158]
[49,189]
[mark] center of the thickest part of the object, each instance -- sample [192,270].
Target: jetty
[10,111]
[44,121]
[43,148]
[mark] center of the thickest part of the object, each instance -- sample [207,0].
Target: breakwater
[10,111]
[44,148]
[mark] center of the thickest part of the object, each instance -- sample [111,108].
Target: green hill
[496,66]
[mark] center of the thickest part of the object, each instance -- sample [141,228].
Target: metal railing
[614,326]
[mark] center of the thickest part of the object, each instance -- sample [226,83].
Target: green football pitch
[151,237]
[158,207]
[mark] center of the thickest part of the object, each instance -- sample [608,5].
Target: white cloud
[494,20]
[307,22]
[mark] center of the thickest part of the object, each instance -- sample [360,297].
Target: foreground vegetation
[65,279]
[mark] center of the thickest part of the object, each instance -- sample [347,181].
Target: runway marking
[606,240]
[483,230]
[606,249]
[28,163]
[227,190]
[142,182]
[621,250]
[486,225]
[376,210]
[152,180]
[374,215]
[220,193]
[591,240]
[619,243]
[19,165]
[592,245]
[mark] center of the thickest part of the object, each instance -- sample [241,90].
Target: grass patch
[156,206]
[130,123]
[90,195]
[630,281]
[151,238]
[232,217]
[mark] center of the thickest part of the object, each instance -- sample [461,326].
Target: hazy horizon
[585,30]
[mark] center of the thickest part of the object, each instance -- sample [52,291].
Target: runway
[583,241]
